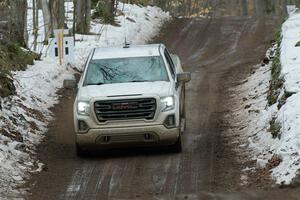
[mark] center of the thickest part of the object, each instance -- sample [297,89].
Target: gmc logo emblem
[125,106]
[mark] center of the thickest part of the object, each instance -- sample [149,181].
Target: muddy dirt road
[210,48]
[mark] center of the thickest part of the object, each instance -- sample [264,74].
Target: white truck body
[136,113]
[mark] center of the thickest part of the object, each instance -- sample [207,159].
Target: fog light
[82,126]
[148,136]
[106,139]
[170,121]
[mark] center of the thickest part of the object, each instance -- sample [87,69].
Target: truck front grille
[125,109]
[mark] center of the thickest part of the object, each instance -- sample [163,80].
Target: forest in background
[13,20]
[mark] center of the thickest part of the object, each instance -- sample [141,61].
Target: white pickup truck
[130,96]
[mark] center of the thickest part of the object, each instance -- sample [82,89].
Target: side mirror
[70,83]
[183,77]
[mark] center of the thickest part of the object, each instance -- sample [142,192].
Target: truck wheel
[183,112]
[183,104]
[80,152]
[177,147]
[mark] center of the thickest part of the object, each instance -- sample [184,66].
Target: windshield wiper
[100,83]
[137,81]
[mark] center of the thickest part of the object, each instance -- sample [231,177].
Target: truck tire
[183,112]
[177,147]
[80,152]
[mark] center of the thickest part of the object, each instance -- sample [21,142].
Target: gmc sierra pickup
[130,96]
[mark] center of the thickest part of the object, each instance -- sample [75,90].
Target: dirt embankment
[12,58]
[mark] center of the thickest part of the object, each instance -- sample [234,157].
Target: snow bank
[290,54]
[289,146]
[258,139]
[24,117]
[23,121]
[289,114]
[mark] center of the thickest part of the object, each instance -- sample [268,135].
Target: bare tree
[35,20]
[4,19]
[18,21]
[57,10]
[47,18]
[82,15]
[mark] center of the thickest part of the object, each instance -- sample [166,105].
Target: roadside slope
[265,120]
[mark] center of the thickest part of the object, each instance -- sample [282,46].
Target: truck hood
[160,88]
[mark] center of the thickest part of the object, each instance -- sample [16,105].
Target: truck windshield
[125,70]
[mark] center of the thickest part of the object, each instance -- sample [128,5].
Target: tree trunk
[57,10]
[112,8]
[83,15]
[79,15]
[18,22]
[88,16]
[245,7]
[47,19]
[112,11]
[35,20]
[33,14]
[39,4]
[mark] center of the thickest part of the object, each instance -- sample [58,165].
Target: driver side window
[170,64]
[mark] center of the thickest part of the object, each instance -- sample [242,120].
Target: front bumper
[128,136]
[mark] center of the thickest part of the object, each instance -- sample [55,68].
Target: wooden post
[60,46]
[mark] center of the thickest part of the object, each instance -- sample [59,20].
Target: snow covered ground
[24,117]
[289,114]
[280,155]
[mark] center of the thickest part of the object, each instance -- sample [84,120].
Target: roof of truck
[130,51]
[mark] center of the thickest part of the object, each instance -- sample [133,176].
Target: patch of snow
[290,54]
[289,147]
[244,180]
[289,114]
[24,117]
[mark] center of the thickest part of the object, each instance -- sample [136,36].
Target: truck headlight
[83,108]
[168,103]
